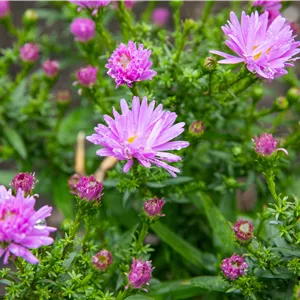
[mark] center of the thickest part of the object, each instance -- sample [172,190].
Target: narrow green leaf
[212,283]
[16,141]
[223,234]
[185,249]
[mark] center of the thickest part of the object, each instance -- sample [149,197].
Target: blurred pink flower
[29,53]
[84,29]
[160,16]
[51,68]
[4,8]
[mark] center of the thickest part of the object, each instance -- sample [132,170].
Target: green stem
[104,33]
[125,21]
[19,265]
[207,10]
[142,235]
[269,174]
[122,295]
[134,90]
[148,11]
[8,24]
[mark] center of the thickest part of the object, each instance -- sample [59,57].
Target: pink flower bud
[83,29]
[4,9]
[51,68]
[243,230]
[154,206]
[140,273]
[89,188]
[234,267]
[29,52]
[266,145]
[102,260]
[87,76]
[23,181]
[160,16]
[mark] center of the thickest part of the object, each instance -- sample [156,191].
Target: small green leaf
[186,250]
[16,141]
[212,283]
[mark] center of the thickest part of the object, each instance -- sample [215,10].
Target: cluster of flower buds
[24,181]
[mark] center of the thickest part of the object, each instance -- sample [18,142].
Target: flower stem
[142,235]
[269,174]
[134,90]
[207,9]
[125,21]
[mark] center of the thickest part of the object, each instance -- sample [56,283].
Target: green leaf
[171,181]
[212,283]
[223,234]
[138,297]
[185,249]
[6,176]
[16,141]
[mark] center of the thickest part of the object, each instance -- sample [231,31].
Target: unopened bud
[210,64]
[257,93]
[30,17]
[197,128]
[63,99]
[293,94]
[282,103]
[102,260]
[243,230]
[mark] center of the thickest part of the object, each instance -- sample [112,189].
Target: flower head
[129,64]
[24,181]
[87,76]
[143,133]
[243,230]
[89,188]
[128,4]
[83,29]
[140,273]
[160,16]
[234,267]
[29,52]
[102,260]
[266,145]
[266,50]
[51,68]
[21,227]
[4,9]
[91,5]
[153,207]
[197,128]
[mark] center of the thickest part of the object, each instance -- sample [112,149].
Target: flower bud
[257,93]
[140,273]
[30,17]
[234,267]
[243,230]
[210,64]
[51,68]
[88,188]
[160,16]
[293,94]
[176,4]
[84,29]
[102,260]
[72,182]
[197,128]
[281,103]
[153,207]
[29,53]
[266,145]
[87,76]
[4,9]
[24,181]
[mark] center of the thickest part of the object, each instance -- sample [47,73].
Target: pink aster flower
[272,7]
[141,133]
[87,76]
[102,260]
[243,230]
[140,273]
[266,50]
[266,145]
[24,181]
[234,267]
[29,52]
[128,4]
[129,64]
[51,68]
[21,227]
[160,16]
[84,29]
[89,188]
[153,207]
[4,9]
[91,5]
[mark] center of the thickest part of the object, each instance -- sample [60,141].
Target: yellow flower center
[131,139]
[258,55]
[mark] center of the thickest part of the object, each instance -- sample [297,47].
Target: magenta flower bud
[140,273]
[154,206]
[21,226]
[30,52]
[87,76]
[234,267]
[51,68]
[89,188]
[102,260]
[23,181]
[243,230]
[128,4]
[160,16]
[4,9]
[266,145]
[83,29]
[91,5]
[129,64]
